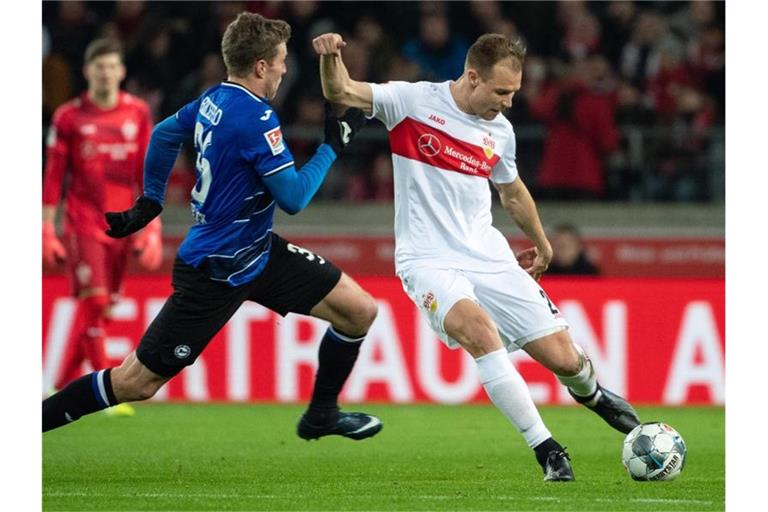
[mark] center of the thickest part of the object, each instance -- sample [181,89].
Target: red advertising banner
[614,256]
[656,341]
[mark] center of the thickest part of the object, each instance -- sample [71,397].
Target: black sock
[90,393]
[336,358]
[542,450]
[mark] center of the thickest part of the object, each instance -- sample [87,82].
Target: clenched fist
[328,44]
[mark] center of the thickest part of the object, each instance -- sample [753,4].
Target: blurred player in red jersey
[95,159]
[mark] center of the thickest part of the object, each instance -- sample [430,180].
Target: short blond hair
[251,37]
[489,49]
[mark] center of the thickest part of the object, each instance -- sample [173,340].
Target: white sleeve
[393,101]
[505,170]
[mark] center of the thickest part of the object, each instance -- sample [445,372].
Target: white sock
[509,393]
[583,383]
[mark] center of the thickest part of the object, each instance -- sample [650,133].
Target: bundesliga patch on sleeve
[275,140]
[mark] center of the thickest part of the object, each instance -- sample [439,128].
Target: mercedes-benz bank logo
[429,145]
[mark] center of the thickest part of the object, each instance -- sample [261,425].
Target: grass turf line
[428,457]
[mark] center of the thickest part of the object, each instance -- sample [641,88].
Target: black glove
[122,224]
[339,131]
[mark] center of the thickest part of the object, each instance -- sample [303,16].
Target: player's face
[275,71]
[104,73]
[494,94]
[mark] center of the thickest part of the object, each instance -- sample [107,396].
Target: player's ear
[260,68]
[474,77]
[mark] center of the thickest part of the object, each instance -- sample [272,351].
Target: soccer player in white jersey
[447,139]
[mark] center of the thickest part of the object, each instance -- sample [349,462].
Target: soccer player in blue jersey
[230,255]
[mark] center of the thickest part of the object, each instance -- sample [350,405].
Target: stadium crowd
[621,100]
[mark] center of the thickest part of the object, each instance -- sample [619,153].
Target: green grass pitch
[428,457]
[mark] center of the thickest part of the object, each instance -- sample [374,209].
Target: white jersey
[442,159]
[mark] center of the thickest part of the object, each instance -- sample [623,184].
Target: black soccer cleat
[557,467]
[616,411]
[354,425]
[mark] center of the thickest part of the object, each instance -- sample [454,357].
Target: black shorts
[294,281]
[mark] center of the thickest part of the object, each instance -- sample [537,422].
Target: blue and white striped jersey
[238,142]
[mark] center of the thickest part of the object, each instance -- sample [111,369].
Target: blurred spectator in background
[689,22]
[74,27]
[210,73]
[374,185]
[678,171]
[579,114]
[380,48]
[129,19]
[438,51]
[568,253]
[154,71]
[581,38]
[666,85]
[640,56]
[400,68]
[620,17]
[57,79]
[706,57]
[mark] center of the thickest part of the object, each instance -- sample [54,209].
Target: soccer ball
[653,451]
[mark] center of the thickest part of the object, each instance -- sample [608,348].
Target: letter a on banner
[698,334]
[389,368]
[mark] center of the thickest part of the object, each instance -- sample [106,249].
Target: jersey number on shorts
[552,307]
[307,254]
[202,165]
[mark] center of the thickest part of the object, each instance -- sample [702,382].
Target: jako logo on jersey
[182,351]
[438,120]
[275,140]
[210,111]
[346,131]
[266,115]
[429,145]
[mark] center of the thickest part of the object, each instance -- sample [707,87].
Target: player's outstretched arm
[163,149]
[338,87]
[294,189]
[518,202]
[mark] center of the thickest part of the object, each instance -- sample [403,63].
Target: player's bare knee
[360,318]
[478,337]
[566,366]
[368,311]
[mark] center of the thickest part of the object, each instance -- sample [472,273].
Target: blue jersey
[238,142]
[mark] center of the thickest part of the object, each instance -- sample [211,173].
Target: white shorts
[514,300]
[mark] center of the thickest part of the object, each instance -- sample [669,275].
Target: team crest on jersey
[129,130]
[88,150]
[275,140]
[430,302]
[488,146]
